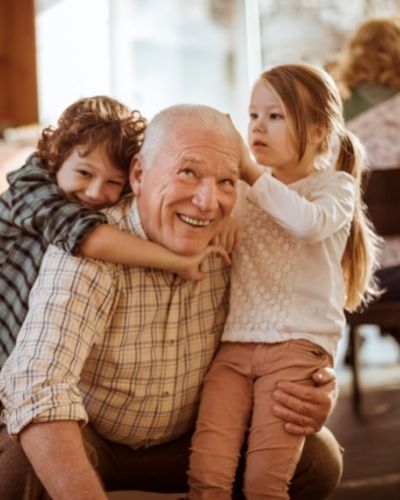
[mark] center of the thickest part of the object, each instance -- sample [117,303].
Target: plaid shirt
[124,348]
[33,214]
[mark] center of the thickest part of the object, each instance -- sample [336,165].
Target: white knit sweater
[286,274]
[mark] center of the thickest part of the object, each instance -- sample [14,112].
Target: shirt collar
[135,220]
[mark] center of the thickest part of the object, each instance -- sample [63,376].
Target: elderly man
[124,350]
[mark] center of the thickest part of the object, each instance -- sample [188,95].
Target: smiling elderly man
[103,385]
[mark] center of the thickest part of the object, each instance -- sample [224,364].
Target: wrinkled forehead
[205,146]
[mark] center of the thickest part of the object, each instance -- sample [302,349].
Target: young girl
[79,168]
[307,251]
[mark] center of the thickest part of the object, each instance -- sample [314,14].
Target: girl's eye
[116,183]
[253,116]
[275,116]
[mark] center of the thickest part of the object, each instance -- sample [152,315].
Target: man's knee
[320,468]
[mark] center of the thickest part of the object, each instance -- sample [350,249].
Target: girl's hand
[250,171]
[190,267]
[228,237]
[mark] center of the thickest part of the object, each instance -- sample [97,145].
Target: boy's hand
[228,237]
[190,267]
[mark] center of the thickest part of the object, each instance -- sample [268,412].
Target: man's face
[189,190]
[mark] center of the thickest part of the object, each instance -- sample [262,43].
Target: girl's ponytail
[359,261]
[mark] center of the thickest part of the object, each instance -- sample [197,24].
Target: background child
[307,251]
[79,167]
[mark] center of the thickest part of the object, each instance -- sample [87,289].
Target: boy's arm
[106,242]
[229,235]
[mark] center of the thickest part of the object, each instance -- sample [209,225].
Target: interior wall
[18,84]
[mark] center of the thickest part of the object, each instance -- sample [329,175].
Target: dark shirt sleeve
[38,206]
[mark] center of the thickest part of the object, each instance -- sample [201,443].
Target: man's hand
[305,409]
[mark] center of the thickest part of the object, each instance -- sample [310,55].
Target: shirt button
[166,393]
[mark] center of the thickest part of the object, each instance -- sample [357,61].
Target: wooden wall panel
[18,83]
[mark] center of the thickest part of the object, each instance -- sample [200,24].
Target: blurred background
[153,53]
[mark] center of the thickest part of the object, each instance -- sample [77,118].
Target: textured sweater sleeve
[37,206]
[315,217]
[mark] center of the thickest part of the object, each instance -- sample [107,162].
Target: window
[154,53]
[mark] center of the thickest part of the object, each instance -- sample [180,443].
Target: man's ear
[135,174]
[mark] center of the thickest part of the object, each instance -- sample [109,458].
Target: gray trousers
[163,468]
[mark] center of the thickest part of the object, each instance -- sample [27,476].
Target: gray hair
[163,126]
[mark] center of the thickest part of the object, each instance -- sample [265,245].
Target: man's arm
[58,456]
[305,409]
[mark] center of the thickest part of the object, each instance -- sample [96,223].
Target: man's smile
[193,221]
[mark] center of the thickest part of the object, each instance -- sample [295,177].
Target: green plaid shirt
[33,214]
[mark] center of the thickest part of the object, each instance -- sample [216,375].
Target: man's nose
[206,195]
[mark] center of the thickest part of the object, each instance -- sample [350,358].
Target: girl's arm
[328,208]
[109,243]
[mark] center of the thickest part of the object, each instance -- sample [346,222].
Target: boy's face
[91,180]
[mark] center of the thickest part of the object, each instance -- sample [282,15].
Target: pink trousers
[236,400]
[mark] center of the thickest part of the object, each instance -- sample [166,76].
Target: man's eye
[188,171]
[116,183]
[227,182]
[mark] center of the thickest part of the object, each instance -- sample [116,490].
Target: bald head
[168,123]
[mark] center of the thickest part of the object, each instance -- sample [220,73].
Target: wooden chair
[382,197]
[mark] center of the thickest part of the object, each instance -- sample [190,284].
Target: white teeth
[194,222]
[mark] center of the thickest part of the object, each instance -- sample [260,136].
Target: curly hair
[89,123]
[371,55]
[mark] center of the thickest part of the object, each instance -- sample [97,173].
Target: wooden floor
[372,446]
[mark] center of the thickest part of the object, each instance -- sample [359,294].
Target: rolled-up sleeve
[69,310]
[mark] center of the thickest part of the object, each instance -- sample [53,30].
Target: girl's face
[271,135]
[91,180]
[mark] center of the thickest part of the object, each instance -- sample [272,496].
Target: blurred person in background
[368,73]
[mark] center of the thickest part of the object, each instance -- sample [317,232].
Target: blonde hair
[311,99]
[371,55]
